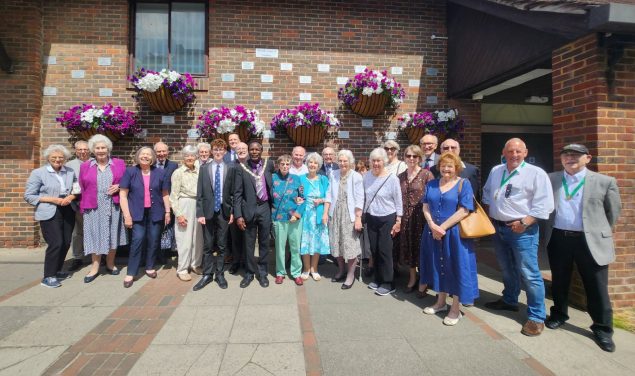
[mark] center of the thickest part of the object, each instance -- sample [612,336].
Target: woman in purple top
[103,228]
[145,204]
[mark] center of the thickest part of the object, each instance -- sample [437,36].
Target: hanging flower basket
[442,124]
[415,134]
[369,93]
[221,122]
[166,91]
[84,121]
[305,124]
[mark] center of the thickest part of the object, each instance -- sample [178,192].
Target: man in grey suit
[214,199]
[469,172]
[580,231]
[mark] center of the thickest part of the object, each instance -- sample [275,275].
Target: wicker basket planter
[369,106]
[90,132]
[307,136]
[414,134]
[162,101]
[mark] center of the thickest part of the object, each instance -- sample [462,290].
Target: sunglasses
[450,147]
[390,149]
[411,156]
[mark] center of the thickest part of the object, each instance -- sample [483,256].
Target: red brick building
[551,72]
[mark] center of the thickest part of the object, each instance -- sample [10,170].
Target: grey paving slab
[212,325]
[212,295]
[177,328]
[237,356]
[266,324]
[168,360]
[283,359]
[209,362]
[28,360]
[274,294]
[14,318]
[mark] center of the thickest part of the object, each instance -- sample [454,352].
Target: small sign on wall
[266,78]
[343,134]
[305,96]
[77,74]
[266,95]
[229,94]
[268,134]
[391,135]
[367,123]
[49,90]
[104,61]
[413,83]
[142,134]
[305,79]
[342,80]
[396,70]
[247,65]
[105,92]
[286,66]
[267,53]
[193,133]
[324,68]
[167,119]
[432,99]
[50,60]
[227,77]
[359,68]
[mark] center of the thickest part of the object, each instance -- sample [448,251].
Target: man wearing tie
[214,212]
[429,146]
[163,152]
[580,231]
[328,156]
[233,141]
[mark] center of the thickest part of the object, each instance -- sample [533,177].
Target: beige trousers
[189,239]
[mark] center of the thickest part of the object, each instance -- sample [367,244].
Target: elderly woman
[285,217]
[189,236]
[146,208]
[344,203]
[50,190]
[99,179]
[315,236]
[394,165]
[447,260]
[413,186]
[383,210]
[204,153]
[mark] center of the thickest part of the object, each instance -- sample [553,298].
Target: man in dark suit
[470,172]
[252,210]
[580,231]
[214,199]
[328,156]
[237,235]
[429,144]
[233,139]
[163,152]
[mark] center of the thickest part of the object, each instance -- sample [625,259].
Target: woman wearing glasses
[413,186]
[394,165]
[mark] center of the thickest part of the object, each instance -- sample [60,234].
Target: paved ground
[162,327]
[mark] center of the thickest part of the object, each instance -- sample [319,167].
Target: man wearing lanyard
[518,194]
[580,230]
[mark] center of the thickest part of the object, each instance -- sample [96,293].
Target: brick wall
[586,110]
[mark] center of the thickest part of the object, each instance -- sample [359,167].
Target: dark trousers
[214,240]
[57,233]
[237,244]
[563,252]
[259,226]
[146,235]
[381,246]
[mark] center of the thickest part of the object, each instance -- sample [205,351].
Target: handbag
[477,224]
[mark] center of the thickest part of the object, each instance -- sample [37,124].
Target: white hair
[348,154]
[378,153]
[314,157]
[56,148]
[99,139]
[190,150]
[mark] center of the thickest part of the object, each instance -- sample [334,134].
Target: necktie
[160,164]
[217,199]
[233,155]
[260,187]
[428,163]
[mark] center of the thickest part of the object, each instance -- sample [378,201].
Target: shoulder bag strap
[371,200]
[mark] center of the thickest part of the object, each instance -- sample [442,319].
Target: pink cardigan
[88,182]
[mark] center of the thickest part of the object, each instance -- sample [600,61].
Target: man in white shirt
[83,154]
[518,194]
[297,164]
[233,140]
[580,231]
[429,144]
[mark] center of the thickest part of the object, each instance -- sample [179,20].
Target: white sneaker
[431,310]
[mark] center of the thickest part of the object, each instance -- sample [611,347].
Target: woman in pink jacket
[103,227]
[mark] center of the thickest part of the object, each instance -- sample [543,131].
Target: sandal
[316,276]
[304,275]
[422,294]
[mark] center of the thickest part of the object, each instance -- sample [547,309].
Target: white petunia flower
[368,91]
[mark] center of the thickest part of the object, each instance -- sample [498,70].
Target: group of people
[402,212]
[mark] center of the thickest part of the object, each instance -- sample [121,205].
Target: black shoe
[346,287]
[76,265]
[341,278]
[113,271]
[90,278]
[554,323]
[264,282]
[500,305]
[204,281]
[222,282]
[233,270]
[246,280]
[62,276]
[605,341]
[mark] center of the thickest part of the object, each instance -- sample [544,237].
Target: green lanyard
[514,173]
[568,195]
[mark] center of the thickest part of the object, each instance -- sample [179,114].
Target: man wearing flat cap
[587,206]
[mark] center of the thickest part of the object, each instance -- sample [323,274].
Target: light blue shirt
[569,213]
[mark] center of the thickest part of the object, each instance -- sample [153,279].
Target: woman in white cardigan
[344,203]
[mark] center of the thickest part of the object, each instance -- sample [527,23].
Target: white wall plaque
[367,123]
[324,68]
[267,52]
[286,66]
[167,119]
[343,134]
[142,134]
[391,135]
[77,74]
[49,90]
[193,133]
[266,95]
[228,94]
[105,61]
[432,99]
[413,83]
[50,60]
[268,134]
[305,79]
[396,70]
[266,78]
[247,65]
[227,77]
[342,80]
[305,96]
[359,68]
[432,71]
[105,92]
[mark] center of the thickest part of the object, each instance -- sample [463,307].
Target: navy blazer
[169,167]
[322,170]
[205,191]
[132,180]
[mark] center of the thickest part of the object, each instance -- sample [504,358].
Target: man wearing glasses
[517,195]
[470,172]
[429,146]
[580,230]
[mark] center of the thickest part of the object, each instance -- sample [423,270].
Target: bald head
[515,152]
[452,146]
[429,144]
[297,155]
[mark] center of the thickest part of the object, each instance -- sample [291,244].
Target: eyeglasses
[411,156]
[428,143]
[450,147]
[390,149]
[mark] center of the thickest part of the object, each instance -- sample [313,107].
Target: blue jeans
[517,256]
[145,233]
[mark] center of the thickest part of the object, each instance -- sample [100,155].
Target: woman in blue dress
[448,262]
[315,235]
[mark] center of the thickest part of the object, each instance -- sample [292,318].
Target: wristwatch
[525,225]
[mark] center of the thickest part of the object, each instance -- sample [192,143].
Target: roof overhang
[613,17]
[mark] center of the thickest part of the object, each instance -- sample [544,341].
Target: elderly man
[429,144]
[236,248]
[297,163]
[518,195]
[204,153]
[329,165]
[167,236]
[233,139]
[470,172]
[580,231]
[252,211]
[82,154]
